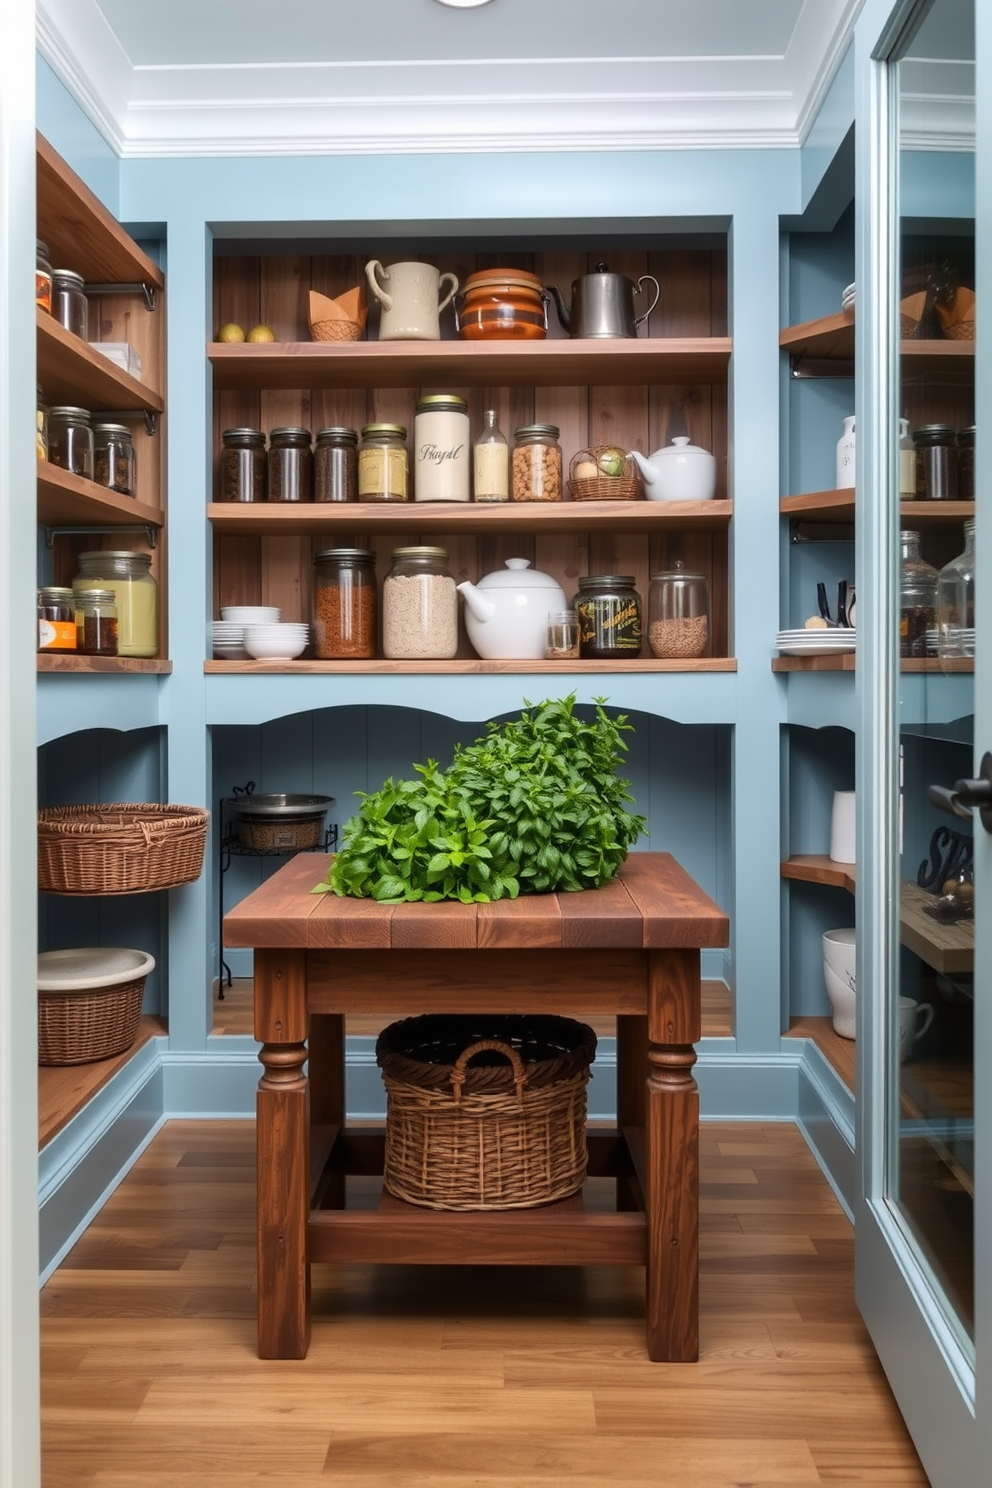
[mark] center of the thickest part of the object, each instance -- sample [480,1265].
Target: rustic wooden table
[629,949]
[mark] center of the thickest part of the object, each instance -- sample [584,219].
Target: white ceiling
[235,77]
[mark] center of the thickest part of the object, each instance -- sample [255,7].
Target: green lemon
[612,462]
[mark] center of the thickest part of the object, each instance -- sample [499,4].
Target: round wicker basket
[89,1003]
[120,848]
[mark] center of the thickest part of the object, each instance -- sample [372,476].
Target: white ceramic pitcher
[409,296]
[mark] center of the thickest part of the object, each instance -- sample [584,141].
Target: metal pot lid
[85,967]
[283,805]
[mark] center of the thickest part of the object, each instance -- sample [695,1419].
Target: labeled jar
[242,465]
[966,464]
[419,606]
[70,307]
[917,598]
[70,439]
[56,620]
[537,463]
[127,574]
[678,614]
[609,611]
[383,464]
[41,424]
[344,604]
[441,444]
[936,462]
[956,601]
[42,277]
[96,623]
[114,462]
[503,305]
[491,473]
[290,465]
[335,465]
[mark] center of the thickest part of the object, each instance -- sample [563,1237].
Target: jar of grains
[419,606]
[70,439]
[56,619]
[42,277]
[335,465]
[609,611]
[383,464]
[290,465]
[242,465]
[127,574]
[441,445]
[678,614]
[70,307]
[114,463]
[537,464]
[96,623]
[344,603]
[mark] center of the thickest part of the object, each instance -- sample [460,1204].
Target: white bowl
[251,614]
[230,653]
[270,643]
[840,951]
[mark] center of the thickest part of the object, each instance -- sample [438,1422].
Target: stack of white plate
[275,642]
[847,298]
[960,640]
[816,642]
[251,614]
[228,641]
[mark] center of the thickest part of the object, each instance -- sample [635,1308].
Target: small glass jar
[42,277]
[242,465]
[70,439]
[96,623]
[936,462]
[966,464]
[679,614]
[383,464]
[56,620]
[956,601]
[419,606]
[41,421]
[70,307]
[290,465]
[609,611]
[441,445]
[335,465]
[537,463]
[917,598]
[114,462]
[491,462]
[127,574]
[344,604]
[563,636]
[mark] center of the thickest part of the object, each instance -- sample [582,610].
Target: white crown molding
[821,65]
[83,52]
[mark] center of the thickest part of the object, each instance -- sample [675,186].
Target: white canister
[842,828]
[441,449]
[845,456]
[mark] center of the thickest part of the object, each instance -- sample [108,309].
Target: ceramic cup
[839,961]
[914,1020]
[410,298]
[842,828]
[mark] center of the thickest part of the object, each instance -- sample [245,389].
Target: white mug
[409,297]
[910,1026]
[842,828]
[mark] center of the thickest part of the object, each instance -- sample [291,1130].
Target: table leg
[673,1156]
[325,1068]
[283,1152]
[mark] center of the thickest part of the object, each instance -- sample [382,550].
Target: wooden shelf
[948,948]
[840,1053]
[831,338]
[818,868]
[382,364]
[823,506]
[70,371]
[473,666]
[67,500]
[64,1090]
[843,661]
[270,518]
[107,665]
[79,230]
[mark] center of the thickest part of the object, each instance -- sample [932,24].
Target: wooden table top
[651,904]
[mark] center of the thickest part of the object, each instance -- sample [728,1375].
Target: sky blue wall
[66,127]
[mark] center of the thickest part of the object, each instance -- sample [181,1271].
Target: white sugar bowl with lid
[506,613]
[679,472]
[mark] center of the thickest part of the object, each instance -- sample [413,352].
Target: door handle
[968,794]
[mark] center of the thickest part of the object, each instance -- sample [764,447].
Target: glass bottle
[420,605]
[609,611]
[56,620]
[441,443]
[42,277]
[114,461]
[290,465]
[956,601]
[491,462]
[907,463]
[242,465]
[70,439]
[70,307]
[335,465]
[537,463]
[679,614]
[917,597]
[96,623]
[127,574]
[383,464]
[344,603]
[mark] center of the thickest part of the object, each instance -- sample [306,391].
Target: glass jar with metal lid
[242,465]
[344,603]
[966,464]
[114,461]
[42,277]
[678,614]
[97,624]
[936,462]
[290,465]
[70,439]
[127,574]
[609,611]
[420,606]
[56,620]
[956,601]
[383,464]
[70,307]
[536,465]
[917,598]
[441,445]
[335,465]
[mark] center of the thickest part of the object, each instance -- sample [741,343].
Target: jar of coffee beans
[242,465]
[335,465]
[537,463]
[114,464]
[344,604]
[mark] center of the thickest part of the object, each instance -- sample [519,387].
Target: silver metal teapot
[603,304]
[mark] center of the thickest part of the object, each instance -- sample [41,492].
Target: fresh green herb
[534,805]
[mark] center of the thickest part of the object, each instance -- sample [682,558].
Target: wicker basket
[626,487]
[121,848]
[89,1003]
[505,1134]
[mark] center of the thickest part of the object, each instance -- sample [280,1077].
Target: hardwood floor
[444,1378]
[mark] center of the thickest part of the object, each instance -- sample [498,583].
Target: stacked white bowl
[228,633]
[274,642]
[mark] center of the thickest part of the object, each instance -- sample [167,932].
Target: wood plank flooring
[445,1378]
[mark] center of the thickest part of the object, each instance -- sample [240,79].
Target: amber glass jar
[42,277]
[96,622]
[503,305]
[70,439]
[114,462]
[242,465]
[383,464]
[609,611]
[344,604]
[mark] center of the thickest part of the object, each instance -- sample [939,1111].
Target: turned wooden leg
[673,1157]
[283,1150]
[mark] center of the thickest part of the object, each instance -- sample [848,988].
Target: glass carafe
[956,602]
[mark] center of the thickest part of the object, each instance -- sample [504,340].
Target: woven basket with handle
[506,1133]
[121,848]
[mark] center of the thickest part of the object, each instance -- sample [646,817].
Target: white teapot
[506,613]
[679,472]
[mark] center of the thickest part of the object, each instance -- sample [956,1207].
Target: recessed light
[463,4]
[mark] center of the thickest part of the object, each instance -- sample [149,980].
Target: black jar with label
[290,465]
[936,462]
[966,464]
[609,611]
[242,465]
[335,465]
